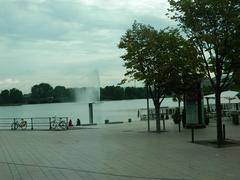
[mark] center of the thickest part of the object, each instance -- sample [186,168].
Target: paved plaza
[119,151]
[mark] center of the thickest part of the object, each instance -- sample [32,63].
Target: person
[70,123]
[78,122]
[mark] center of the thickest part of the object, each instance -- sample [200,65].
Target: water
[91,92]
[111,110]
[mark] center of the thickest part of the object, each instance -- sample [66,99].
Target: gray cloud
[61,41]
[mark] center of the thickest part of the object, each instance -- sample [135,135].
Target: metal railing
[34,123]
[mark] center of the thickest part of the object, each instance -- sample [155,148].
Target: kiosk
[194,108]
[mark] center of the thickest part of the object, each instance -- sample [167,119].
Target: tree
[188,70]
[15,96]
[112,93]
[71,95]
[130,93]
[151,57]
[42,90]
[214,28]
[59,93]
[119,93]
[5,96]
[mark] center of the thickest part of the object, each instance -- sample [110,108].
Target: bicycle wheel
[24,125]
[53,125]
[62,125]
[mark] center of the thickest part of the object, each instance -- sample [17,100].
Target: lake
[111,110]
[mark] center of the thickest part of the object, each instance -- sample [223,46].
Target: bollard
[129,120]
[192,134]
[106,121]
[224,135]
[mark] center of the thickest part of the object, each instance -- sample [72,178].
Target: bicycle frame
[60,124]
[16,124]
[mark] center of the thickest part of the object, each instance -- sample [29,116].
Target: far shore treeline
[45,93]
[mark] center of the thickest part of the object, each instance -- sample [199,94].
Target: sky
[64,42]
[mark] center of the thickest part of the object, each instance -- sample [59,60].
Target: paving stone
[119,151]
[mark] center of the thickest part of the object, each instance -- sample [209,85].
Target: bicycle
[16,124]
[58,124]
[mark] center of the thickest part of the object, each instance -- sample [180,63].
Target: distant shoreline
[20,104]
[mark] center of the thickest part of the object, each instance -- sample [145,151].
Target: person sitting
[70,123]
[78,122]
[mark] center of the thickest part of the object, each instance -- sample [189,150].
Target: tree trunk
[157,112]
[218,103]
[148,117]
[219,116]
[208,106]
[164,127]
[179,123]
[163,120]
[179,104]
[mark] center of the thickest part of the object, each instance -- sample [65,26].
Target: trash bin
[235,119]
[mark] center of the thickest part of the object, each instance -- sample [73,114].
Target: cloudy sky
[62,42]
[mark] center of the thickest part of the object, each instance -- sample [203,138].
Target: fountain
[89,94]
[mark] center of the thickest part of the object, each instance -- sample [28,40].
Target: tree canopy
[12,96]
[63,94]
[15,95]
[43,90]
[158,58]
[214,28]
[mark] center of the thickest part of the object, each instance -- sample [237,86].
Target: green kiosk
[194,108]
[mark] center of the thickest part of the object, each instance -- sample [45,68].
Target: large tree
[15,95]
[42,90]
[188,70]
[213,26]
[5,97]
[112,93]
[60,93]
[151,57]
[188,73]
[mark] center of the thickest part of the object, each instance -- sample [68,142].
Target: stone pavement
[120,151]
